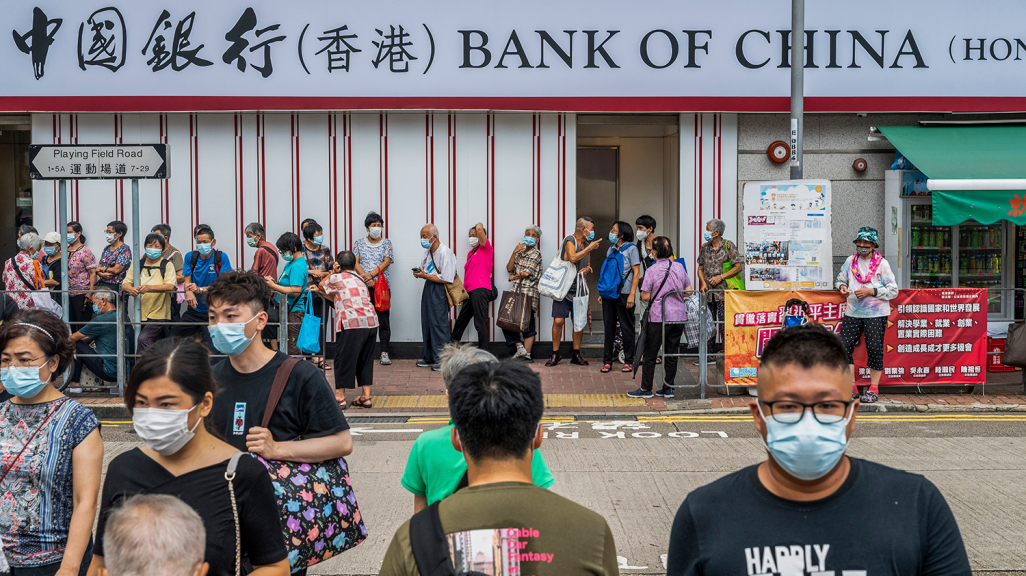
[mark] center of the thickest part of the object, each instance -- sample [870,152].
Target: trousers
[852,328]
[653,340]
[384,326]
[434,321]
[477,309]
[86,356]
[354,357]
[613,310]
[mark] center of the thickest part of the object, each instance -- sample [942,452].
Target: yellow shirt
[155,305]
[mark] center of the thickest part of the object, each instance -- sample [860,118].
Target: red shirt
[265,262]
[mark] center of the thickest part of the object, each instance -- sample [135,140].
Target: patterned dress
[29,268]
[37,492]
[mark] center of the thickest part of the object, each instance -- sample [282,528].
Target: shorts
[563,308]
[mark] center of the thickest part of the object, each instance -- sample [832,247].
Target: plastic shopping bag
[581,305]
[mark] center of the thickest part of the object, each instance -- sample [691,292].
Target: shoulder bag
[642,333]
[455,293]
[1015,345]
[559,277]
[319,515]
[429,543]
[308,340]
[37,291]
[736,282]
[229,475]
[382,295]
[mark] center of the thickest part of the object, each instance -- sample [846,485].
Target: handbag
[229,475]
[39,294]
[736,282]
[455,293]
[382,295]
[515,311]
[1015,346]
[558,278]
[308,340]
[319,514]
[581,304]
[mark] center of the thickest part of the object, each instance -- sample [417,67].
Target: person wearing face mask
[170,396]
[575,248]
[115,259]
[52,451]
[644,233]
[718,259]
[620,309]
[202,267]
[155,282]
[81,276]
[868,282]
[51,265]
[173,255]
[294,283]
[265,256]
[477,279]
[525,269]
[373,258]
[438,268]
[806,508]
[319,264]
[356,327]
[23,273]
[102,332]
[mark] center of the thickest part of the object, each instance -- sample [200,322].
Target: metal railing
[121,323]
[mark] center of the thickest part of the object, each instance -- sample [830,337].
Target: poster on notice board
[787,235]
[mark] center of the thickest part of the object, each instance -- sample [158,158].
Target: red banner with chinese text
[936,336]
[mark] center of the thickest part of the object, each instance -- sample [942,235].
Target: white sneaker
[385,360]
[521,352]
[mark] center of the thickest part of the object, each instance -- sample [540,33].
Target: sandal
[606,368]
[628,367]
[659,360]
[361,403]
[342,403]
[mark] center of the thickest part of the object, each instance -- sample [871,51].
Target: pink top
[478,270]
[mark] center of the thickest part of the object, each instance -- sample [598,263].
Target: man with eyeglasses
[809,509]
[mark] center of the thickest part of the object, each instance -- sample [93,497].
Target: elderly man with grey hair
[437,269]
[718,259]
[154,535]
[102,331]
[435,469]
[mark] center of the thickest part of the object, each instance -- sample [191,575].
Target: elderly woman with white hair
[718,260]
[22,274]
[525,270]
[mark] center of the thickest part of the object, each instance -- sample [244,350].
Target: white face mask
[163,431]
[109,237]
[375,232]
[641,234]
[473,241]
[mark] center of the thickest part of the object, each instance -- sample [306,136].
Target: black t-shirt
[206,491]
[307,408]
[53,272]
[881,521]
[10,309]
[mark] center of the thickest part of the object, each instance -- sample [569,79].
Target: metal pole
[797,85]
[703,342]
[136,254]
[119,314]
[65,302]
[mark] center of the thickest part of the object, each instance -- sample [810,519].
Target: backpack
[799,319]
[430,544]
[611,277]
[143,266]
[195,259]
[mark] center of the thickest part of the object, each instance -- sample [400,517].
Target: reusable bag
[382,295]
[581,304]
[308,340]
[1015,346]
[557,279]
[514,312]
[734,282]
[319,515]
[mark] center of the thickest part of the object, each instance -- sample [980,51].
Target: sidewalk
[404,388]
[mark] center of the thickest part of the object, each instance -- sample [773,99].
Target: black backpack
[429,542]
[143,266]
[195,259]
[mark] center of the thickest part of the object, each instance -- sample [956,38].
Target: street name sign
[99,162]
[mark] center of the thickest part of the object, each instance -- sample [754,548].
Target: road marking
[362,431]
[622,561]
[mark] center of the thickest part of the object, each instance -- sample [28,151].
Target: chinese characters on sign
[106,43]
[100,162]
[933,336]
[36,42]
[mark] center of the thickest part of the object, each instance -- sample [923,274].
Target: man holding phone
[437,268]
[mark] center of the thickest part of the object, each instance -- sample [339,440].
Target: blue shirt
[204,274]
[295,274]
[106,338]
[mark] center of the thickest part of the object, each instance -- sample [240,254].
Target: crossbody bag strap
[281,378]
[229,475]
[429,544]
[655,295]
[14,265]
[30,438]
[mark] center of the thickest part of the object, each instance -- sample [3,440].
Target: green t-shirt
[435,468]
[532,529]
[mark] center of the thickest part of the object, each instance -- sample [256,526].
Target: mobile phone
[416,269]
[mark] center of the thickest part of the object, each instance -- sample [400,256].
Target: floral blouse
[29,268]
[120,256]
[79,265]
[319,260]
[711,260]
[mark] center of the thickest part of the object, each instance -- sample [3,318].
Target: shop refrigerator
[969,255]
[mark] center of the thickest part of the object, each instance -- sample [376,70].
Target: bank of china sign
[534,54]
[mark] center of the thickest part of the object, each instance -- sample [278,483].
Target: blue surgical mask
[530,241]
[71,237]
[96,309]
[153,253]
[591,235]
[286,256]
[707,236]
[205,249]
[318,240]
[23,382]
[806,449]
[612,237]
[425,242]
[230,337]
[49,250]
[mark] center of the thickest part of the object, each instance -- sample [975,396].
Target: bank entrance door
[15,185]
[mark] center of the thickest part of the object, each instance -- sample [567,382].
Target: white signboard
[101,162]
[787,235]
[575,55]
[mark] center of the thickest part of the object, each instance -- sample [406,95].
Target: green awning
[967,152]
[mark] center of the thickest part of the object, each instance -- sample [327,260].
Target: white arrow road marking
[663,558]
[361,431]
[622,560]
[722,434]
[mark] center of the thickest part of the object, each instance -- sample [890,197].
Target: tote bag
[581,304]
[308,340]
[515,311]
[319,515]
[558,278]
[1015,346]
